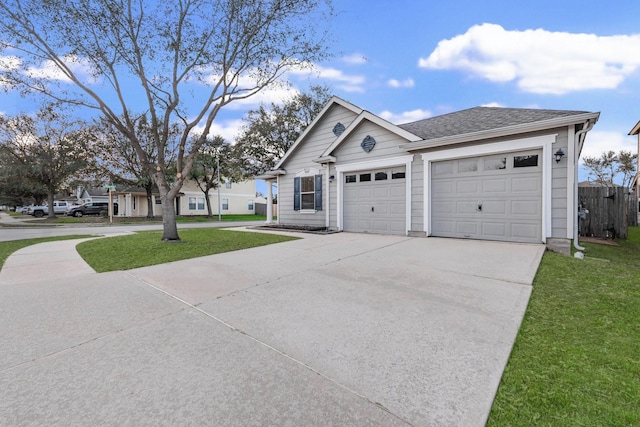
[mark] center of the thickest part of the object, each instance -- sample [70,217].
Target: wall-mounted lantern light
[559,154]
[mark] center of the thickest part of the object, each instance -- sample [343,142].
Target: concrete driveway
[342,329]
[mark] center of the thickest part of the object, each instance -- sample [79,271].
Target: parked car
[59,207]
[22,209]
[91,208]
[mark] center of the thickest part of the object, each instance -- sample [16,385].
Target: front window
[250,205]
[225,204]
[196,203]
[307,193]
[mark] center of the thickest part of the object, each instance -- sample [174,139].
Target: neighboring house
[483,173]
[235,198]
[89,194]
[132,201]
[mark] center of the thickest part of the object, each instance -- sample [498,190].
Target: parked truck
[59,207]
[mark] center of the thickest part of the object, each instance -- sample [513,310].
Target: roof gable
[333,101]
[367,116]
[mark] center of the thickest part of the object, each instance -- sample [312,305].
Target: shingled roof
[481,119]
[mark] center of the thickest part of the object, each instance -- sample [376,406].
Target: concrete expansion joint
[486,277]
[270,347]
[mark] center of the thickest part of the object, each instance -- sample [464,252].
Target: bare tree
[178,61]
[48,148]
[612,166]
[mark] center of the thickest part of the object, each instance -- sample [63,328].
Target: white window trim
[306,173]
[348,168]
[544,142]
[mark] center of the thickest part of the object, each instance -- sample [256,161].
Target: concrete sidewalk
[342,329]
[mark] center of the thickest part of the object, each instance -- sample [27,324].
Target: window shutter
[318,192]
[296,194]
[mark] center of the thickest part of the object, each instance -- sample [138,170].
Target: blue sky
[410,59]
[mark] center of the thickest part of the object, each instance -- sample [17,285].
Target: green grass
[7,248]
[146,248]
[576,361]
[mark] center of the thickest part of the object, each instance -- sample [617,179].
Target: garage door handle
[371,208]
[480,207]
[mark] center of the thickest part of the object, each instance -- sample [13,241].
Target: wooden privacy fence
[611,211]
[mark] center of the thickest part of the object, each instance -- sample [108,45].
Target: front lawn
[146,248]
[576,361]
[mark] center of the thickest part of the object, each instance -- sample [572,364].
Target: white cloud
[355,59]
[404,83]
[406,116]
[539,61]
[493,104]
[228,129]
[48,70]
[346,82]
[598,142]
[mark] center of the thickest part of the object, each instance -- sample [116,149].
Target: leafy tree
[48,149]
[15,187]
[179,61]
[216,152]
[609,167]
[118,161]
[270,130]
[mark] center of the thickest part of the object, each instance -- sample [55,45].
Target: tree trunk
[208,200]
[52,212]
[169,225]
[150,205]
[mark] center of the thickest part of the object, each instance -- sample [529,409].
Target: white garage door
[374,201]
[497,197]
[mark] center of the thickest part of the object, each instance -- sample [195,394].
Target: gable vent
[338,129]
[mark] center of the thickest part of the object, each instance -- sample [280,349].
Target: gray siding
[387,145]
[308,150]
[559,186]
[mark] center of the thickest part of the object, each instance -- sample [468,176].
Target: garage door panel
[465,207]
[443,207]
[442,188]
[467,186]
[526,184]
[525,207]
[446,228]
[524,231]
[494,185]
[510,198]
[497,230]
[495,207]
[467,228]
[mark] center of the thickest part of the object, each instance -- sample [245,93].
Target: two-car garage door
[497,197]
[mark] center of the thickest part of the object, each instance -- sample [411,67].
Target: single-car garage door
[497,197]
[374,201]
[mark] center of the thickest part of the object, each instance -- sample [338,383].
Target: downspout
[583,131]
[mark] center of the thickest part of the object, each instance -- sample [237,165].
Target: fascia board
[366,115]
[328,105]
[501,132]
[635,130]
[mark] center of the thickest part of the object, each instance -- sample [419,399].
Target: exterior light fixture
[559,154]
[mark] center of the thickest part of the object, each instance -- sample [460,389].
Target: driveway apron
[341,329]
